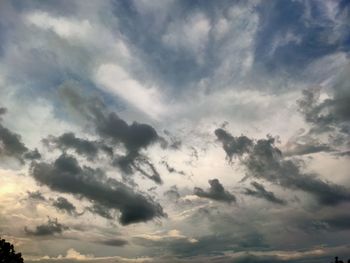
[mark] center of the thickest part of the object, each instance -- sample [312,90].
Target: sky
[175,131]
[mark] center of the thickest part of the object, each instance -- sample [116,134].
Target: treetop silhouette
[8,253]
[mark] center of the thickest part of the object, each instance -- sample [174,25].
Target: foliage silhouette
[340,261]
[8,253]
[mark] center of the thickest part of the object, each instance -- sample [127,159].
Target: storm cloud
[66,176]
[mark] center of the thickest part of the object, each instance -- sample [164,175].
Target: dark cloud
[81,146]
[215,192]
[261,192]
[32,155]
[52,227]
[37,195]
[116,242]
[338,222]
[134,137]
[233,146]
[65,175]
[2,110]
[63,204]
[114,130]
[11,144]
[264,160]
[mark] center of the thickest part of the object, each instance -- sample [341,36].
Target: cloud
[172,193]
[32,155]
[116,242]
[37,196]
[172,169]
[11,144]
[233,146]
[114,130]
[264,160]
[2,110]
[64,27]
[331,112]
[66,176]
[216,192]
[260,192]
[63,204]
[52,227]
[101,210]
[294,34]
[81,146]
[116,80]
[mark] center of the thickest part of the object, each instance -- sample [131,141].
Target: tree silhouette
[8,253]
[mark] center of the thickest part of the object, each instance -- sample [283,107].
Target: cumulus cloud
[66,176]
[216,192]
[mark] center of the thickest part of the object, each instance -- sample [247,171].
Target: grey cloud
[116,242]
[302,144]
[37,195]
[331,114]
[101,210]
[338,222]
[81,146]
[264,160]
[11,144]
[52,227]
[2,110]
[112,129]
[63,204]
[261,192]
[215,192]
[32,155]
[233,145]
[65,175]
[172,193]
[303,149]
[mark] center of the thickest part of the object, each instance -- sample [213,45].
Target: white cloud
[190,34]
[114,79]
[64,27]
